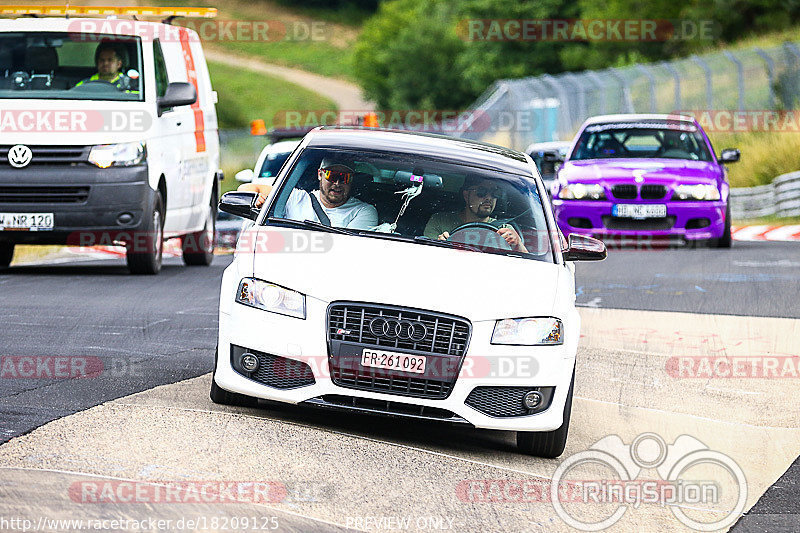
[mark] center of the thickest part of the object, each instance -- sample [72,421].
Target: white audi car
[406,275]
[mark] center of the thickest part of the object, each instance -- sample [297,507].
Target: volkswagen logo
[19,155]
[393,328]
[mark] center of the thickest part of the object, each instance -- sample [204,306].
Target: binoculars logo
[691,477]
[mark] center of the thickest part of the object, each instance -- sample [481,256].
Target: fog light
[532,399]
[125,218]
[249,362]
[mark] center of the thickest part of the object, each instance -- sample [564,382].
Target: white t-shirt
[353,214]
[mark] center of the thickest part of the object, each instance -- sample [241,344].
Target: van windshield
[403,197]
[75,66]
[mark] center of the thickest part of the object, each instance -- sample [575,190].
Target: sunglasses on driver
[485,192]
[335,176]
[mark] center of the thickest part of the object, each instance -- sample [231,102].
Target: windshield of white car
[408,198]
[646,140]
[272,164]
[70,65]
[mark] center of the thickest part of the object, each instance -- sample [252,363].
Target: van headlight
[582,191]
[118,155]
[539,331]
[701,191]
[270,297]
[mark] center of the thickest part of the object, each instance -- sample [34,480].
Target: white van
[108,136]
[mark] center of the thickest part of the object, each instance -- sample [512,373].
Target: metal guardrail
[780,198]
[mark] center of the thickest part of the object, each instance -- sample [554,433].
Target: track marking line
[156,483]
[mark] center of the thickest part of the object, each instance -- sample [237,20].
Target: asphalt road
[147,331]
[751,279]
[139,331]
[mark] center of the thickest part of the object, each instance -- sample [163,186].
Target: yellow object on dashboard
[145,11]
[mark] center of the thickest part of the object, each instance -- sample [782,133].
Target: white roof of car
[116,26]
[635,117]
[281,147]
[550,145]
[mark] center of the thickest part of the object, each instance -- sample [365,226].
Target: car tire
[726,241]
[221,396]
[6,253]
[548,444]
[198,247]
[148,261]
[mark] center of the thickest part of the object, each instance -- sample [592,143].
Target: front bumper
[484,365]
[685,220]
[113,201]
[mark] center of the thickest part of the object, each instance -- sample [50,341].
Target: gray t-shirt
[353,214]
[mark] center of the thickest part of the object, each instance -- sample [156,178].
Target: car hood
[478,286]
[664,171]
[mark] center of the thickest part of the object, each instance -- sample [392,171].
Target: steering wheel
[480,234]
[94,85]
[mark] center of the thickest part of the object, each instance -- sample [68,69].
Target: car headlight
[119,155]
[270,297]
[539,331]
[582,191]
[701,191]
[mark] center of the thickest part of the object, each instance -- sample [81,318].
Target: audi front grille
[442,339]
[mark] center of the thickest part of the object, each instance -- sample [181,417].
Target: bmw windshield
[641,140]
[408,198]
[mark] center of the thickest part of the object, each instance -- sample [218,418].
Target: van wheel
[6,253]
[223,397]
[549,444]
[198,247]
[144,254]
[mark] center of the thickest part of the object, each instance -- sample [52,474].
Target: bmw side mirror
[241,204]
[584,248]
[730,155]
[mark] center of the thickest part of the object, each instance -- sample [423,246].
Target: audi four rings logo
[394,328]
[19,155]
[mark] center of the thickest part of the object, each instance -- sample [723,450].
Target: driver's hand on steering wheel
[443,236]
[513,239]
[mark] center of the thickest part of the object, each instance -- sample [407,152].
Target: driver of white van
[335,182]
[109,61]
[480,200]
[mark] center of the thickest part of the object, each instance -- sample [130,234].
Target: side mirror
[552,157]
[584,248]
[177,93]
[730,155]
[241,204]
[245,176]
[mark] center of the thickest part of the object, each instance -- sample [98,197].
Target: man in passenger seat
[333,197]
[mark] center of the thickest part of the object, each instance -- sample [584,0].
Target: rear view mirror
[730,155]
[584,248]
[241,204]
[405,178]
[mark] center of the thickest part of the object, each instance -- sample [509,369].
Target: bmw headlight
[119,155]
[700,192]
[540,331]
[270,297]
[582,191]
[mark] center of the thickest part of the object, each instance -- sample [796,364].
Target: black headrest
[41,59]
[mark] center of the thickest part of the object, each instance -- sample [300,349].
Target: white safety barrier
[780,198]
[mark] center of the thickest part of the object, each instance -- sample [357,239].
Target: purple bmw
[643,176]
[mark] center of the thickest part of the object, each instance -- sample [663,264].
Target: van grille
[43,195]
[49,155]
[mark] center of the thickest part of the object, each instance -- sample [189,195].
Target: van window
[161,69]
[70,65]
